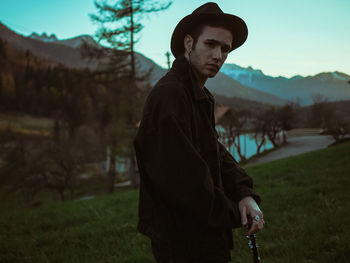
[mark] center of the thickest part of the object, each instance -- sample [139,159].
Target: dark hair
[198,30]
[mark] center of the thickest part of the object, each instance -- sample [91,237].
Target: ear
[188,43]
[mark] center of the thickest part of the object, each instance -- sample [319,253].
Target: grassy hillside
[306,205]
[305,202]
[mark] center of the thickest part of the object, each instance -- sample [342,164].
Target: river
[248,146]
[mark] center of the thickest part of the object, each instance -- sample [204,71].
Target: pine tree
[119,25]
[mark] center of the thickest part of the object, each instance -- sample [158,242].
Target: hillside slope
[67,52]
[304,198]
[332,85]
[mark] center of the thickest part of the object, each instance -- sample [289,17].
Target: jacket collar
[184,72]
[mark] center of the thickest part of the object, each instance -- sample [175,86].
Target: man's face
[211,50]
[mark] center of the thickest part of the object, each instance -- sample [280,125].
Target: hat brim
[233,23]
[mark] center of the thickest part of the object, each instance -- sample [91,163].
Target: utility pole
[167,54]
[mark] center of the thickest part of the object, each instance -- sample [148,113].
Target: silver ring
[256,218]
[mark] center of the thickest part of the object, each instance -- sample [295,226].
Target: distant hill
[52,51]
[75,42]
[234,81]
[332,85]
[225,86]
[67,52]
[239,103]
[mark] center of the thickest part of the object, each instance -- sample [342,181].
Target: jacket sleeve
[179,175]
[237,183]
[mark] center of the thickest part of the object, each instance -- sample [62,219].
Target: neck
[199,78]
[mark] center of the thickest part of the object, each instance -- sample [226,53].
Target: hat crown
[208,8]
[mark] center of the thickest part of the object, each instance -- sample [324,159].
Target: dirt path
[296,145]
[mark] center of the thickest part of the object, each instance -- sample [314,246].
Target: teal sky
[286,37]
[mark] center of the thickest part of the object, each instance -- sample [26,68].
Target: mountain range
[333,86]
[75,42]
[232,82]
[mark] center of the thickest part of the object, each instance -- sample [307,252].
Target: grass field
[305,204]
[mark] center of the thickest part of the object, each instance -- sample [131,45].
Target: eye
[211,44]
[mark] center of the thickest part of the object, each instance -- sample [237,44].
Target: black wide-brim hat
[209,13]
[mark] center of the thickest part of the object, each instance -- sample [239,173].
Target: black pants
[162,255]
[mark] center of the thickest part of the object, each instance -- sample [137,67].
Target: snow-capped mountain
[245,76]
[250,76]
[332,85]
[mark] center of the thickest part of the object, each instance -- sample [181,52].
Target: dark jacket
[190,184]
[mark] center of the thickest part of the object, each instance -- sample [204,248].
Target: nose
[217,54]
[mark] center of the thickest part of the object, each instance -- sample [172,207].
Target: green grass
[98,230]
[306,207]
[305,204]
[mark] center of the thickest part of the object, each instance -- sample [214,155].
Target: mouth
[213,66]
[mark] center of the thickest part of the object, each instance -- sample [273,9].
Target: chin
[212,74]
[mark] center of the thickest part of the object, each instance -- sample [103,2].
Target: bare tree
[235,123]
[286,116]
[20,168]
[319,111]
[30,164]
[273,126]
[259,129]
[335,125]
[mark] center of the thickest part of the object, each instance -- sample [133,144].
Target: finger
[253,229]
[261,222]
[256,225]
[244,216]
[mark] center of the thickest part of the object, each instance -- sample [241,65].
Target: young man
[192,191]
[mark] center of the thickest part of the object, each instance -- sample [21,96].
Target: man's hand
[249,209]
